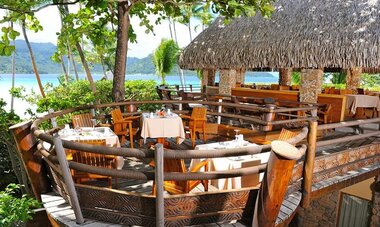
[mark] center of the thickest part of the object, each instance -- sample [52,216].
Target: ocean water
[30,83]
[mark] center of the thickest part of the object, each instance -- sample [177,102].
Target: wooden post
[159,184]
[275,182]
[309,164]
[61,155]
[353,78]
[211,77]
[204,80]
[285,76]
[227,81]
[32,162]
[375,216]
[240,76]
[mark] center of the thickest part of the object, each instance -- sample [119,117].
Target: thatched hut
[307,35]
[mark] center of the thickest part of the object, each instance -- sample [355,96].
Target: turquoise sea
[29,82]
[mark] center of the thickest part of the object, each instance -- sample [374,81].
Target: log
[275,182]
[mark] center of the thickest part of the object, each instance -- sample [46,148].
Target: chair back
[159,92]
[82,120]
[283,87]
[118,116]
[199,112]
[274,86]
[360,91]
[93,159]
[286,134]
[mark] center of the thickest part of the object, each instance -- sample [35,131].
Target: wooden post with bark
[285,77]
[275,182]
[27,147]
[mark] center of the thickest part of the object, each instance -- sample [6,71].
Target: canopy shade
[300,34]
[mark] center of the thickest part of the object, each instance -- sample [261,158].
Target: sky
[146,43]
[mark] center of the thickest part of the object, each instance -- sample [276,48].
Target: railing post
[219,119]
[275,182]
[67,178]
[159,184]
[309,164]
[180,104]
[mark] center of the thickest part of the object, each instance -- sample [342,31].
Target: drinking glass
[93,123]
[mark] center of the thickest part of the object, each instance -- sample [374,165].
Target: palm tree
[23,27]
[165,58]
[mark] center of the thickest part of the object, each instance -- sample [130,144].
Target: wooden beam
[32,162]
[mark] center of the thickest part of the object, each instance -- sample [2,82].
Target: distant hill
[44,51]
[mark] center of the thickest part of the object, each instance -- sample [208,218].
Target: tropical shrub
[370,81]
[296,78]
[7,174]
[15,210]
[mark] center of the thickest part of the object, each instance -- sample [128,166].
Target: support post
[285,76]
[61,155]
[205,76]
[159,184]
[240,76]
[227,81]
[353,78]
[211,77]
[275,182]
[311,84]
[309,164]
[32,162]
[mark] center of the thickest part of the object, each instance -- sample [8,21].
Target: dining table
[356,104]
[160,127]
[230,163]
[91,133]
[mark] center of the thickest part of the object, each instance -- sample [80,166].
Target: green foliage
[370,81]
[296,78]
[165,58]
[338,78]
[7,119]
[14,210]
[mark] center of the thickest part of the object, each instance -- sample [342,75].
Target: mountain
[44,51]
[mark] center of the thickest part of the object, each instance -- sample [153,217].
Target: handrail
[348,123]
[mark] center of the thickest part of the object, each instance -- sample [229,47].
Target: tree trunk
[64,69]
[13,71]
[180,71]
[189,27]
[86,68]
[73,61]
[118,89]
[32,59]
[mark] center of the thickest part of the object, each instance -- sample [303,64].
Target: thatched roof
[300,34]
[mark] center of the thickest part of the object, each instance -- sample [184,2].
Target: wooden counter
[338,102]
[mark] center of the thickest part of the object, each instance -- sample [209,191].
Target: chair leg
[131,135]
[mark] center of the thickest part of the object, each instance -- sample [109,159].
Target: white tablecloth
[364,101]
[95,133]
[166,127]
[219,164]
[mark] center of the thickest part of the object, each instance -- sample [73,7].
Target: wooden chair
[182,187]
[93,159]
[82,120]
[196,123]
[324,114]
[285,134]
[123,126]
